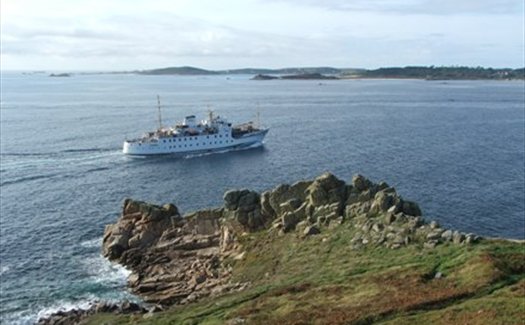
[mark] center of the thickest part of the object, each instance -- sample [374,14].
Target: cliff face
[176,260]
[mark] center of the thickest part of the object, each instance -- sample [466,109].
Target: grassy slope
[321,280]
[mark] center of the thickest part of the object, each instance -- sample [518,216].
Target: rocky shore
[179,259]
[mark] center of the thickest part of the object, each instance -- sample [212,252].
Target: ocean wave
[55,153]
[28,317]
[28,154]
[25,179]
[90,150]
[101,271]
[95,242]
[97,169]
[66,306]
[202,154]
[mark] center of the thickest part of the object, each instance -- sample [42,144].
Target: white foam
[31,317]
[96,242]
[4,269]
[67,306]
[102,271]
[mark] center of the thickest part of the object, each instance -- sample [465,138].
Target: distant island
[409,72]
[60,75]
[316,73]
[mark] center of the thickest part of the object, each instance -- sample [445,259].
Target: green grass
[322,280]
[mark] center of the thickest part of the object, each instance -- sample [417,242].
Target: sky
[117,35]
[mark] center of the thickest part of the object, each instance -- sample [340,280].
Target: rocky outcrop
[264,77]
[174,259]
[178,259]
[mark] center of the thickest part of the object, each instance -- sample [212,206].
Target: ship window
[215,136]
[220,136]
[207,137]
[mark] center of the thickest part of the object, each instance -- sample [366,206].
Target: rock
[469,239]
[285,192]
[360,183]
[311,230]
[447,235]
[382,202]
[171,209]
[129,307]
[457,237]
[266,207]
[438,275]
[390,218]
[290,205]
[431,244]
[411,208]
[289,220]
[434,225]
[248,200]
[231,199]
[377,227]
[435,234]
[326,189]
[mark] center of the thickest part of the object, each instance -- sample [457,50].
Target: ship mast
[258,117]
[160,116]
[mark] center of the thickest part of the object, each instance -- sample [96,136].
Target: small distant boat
[192,137]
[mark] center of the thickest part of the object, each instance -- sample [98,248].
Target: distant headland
[408,72]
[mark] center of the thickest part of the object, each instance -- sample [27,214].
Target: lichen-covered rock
[360,183]
[326,189]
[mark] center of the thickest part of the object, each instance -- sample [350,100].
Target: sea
[455,147]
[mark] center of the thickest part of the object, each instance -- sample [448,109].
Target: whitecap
[100,270]
[95,242]
[4,269]
[31,317]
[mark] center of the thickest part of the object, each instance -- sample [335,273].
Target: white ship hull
[187,145]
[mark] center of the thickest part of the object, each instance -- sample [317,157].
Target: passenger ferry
[192,137]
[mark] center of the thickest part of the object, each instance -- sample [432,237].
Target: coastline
[182,261]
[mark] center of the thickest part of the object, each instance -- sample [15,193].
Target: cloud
[127,36]
[235,33]
[427,7]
